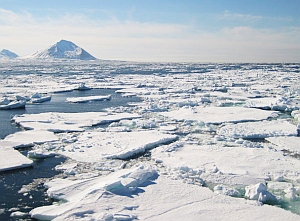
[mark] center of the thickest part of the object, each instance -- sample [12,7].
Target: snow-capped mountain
[6,54]
[62,50]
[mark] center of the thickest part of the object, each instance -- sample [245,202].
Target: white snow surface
[87,99]
[228,165]
[67,122]
[12,159]
[290,143]
[261,129]
[217,115]
[94,146]
[29,138]
[274,103]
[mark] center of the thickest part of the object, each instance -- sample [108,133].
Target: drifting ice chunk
[40,154]
[270,103]
[29,138]
[12,159]
[222,189]
[60,122]
[13,105]
[38,98]
[259,192]
[4,101]
[82,87]
[87,99]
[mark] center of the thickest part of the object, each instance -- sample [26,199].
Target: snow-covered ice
[188,150]
[96,146]
[261,129]
[87,99]
[126,196]
[67,122]
[234,165]
[217,115]
[12,159]
[28,138]
[290,143]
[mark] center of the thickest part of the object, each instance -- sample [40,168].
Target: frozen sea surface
[175,141]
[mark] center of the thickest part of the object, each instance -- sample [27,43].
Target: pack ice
[205,142]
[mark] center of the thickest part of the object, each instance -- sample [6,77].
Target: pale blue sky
[152,30]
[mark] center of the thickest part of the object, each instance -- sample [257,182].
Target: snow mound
[259,192]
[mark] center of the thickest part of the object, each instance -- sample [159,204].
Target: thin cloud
[227,15]
[8,17]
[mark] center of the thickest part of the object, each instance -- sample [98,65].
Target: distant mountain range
[6,54]
[61,50]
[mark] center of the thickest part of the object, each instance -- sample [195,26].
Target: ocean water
[58,104]
[12,181]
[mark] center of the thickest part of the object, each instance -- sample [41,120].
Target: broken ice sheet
[95,146]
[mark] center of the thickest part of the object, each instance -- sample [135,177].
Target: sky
[157,30]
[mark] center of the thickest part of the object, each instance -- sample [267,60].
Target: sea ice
[28,138]
[259,192]
[272,103]
[66,122]
[218,115]
[160,199]
[208,151]
[87,99]
[290,143]
[227,165]
[12,159]
[261,129]
[77,194]
[96,146]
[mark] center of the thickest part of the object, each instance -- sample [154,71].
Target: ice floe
[88,98]
[66,122]
[28,138]
[261,129]
[226,165]
[218,115]
[12,159]
[290,143]
[13,105]
[96,146]
[270,103]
